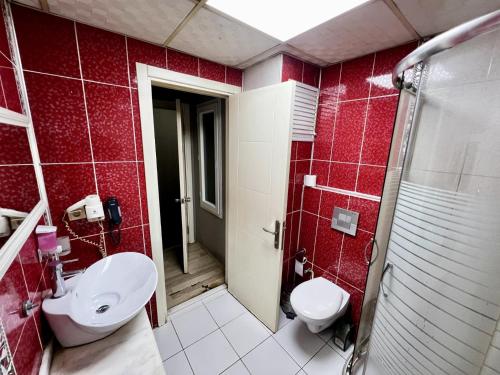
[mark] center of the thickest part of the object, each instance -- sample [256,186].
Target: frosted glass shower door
[440,312]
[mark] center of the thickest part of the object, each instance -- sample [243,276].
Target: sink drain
[102,309]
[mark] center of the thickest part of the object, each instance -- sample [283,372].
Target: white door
[259,157]
[183,199]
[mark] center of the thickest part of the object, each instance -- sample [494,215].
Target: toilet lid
[317,298]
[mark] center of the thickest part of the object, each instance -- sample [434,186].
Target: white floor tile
[237,369]
[343,354]
[177,365]
[167,341]
[215,295]
[270,359]
[327,361]
[224,308]
[193,324]
[211,355]
[245,333]
[283,320]
[326,334]
[298,341]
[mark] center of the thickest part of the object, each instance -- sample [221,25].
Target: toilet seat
[317,298]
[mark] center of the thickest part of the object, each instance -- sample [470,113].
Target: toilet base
[316,328]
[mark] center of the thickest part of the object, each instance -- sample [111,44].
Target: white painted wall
[265,73]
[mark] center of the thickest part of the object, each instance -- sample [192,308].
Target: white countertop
[130,350]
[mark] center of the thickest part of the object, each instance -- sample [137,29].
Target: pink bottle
[47,238]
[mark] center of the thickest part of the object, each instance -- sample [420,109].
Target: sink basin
[105,297]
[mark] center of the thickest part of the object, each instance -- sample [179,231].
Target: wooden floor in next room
[204,273]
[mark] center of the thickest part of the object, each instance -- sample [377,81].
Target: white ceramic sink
[102,299]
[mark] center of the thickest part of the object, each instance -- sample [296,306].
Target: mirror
[10,97]
[18,183]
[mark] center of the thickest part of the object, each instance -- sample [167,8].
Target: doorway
[189,140]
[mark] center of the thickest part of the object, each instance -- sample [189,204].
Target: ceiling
[193,27]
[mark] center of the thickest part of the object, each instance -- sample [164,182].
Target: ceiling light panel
[152,20]
[284,19]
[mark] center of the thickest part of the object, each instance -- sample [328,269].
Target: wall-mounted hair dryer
[10,220]
[90,207]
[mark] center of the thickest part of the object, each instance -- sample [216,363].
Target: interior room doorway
[189,140]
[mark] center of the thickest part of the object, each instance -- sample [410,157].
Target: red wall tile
[311,200]
[15,147]
[330,200]
[28,355]
[67,184]
[212,70]
[368,212]
[342,176]
[145,53]
[12,293]
[328,247]
[59,118]
[321,170]
[353,266]
[385,61]
[234,76]
[348,134]
[330,84]
[308,227]
[103,55]
[131,240]
[9,85]
[355,78]
[304,150]
[120,180]
[378,130]
[19,187]
[110,118]
[311,75]
[325,123]
[46,43]
[370,180]
[182,62]
[292,69]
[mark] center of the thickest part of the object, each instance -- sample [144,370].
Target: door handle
[179,200]
[388,266]
[275,233]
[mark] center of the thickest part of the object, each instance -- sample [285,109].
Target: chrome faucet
[58,276]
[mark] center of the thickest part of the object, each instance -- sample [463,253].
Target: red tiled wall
[27,336]
[355,119]
[24,279]
[82,89]
[300,162]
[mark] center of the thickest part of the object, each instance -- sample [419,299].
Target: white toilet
[319,302]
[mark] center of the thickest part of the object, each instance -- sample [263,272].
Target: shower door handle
[387,267]
[276,234]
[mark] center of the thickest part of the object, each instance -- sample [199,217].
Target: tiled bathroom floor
[217,335]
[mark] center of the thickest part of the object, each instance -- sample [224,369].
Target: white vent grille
[304,112]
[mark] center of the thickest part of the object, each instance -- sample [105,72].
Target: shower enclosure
[432,302]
